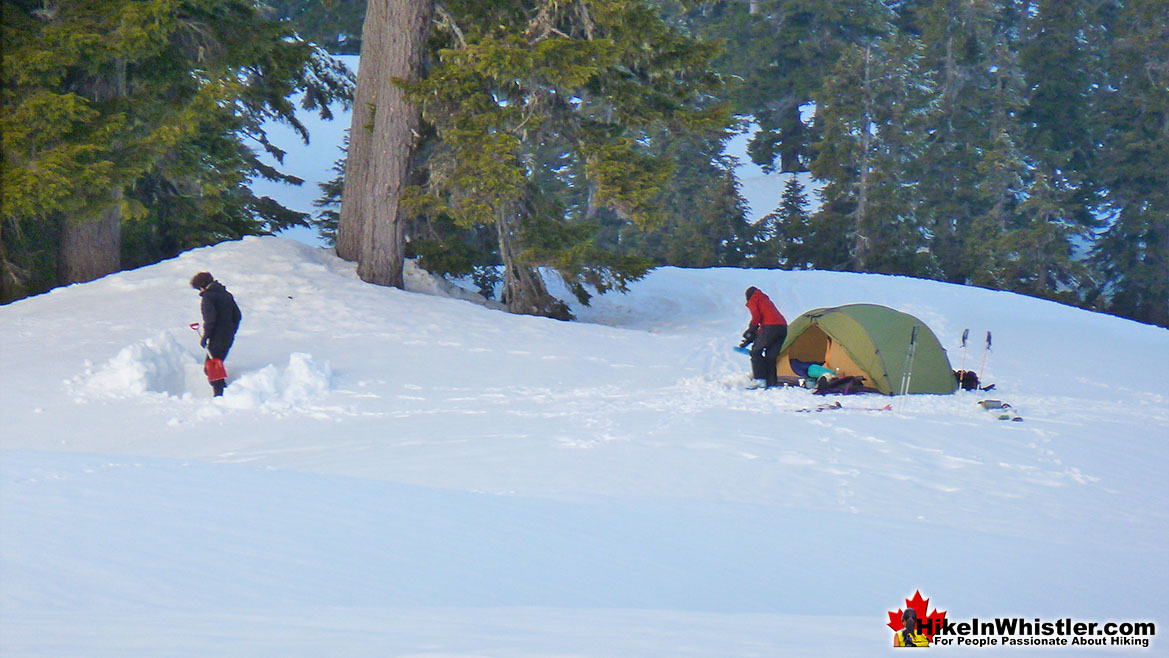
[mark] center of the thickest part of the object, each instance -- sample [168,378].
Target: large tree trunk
[90,248]
[523,288]
[11,274]
[381,139]
[354,206]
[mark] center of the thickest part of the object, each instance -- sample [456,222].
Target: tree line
[1013,144]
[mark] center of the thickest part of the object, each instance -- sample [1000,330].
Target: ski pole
[984,352]
[907,367]
[965,335]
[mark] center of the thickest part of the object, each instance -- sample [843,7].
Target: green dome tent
[869,341]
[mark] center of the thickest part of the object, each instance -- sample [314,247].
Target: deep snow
[407,473]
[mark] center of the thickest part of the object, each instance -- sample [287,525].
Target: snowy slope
[405,473]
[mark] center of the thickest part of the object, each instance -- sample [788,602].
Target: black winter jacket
[221,316]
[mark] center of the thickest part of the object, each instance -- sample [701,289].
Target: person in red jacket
[767,331]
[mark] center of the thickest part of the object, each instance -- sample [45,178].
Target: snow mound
[419,280]
[157,365]
[275,389]
[160,366]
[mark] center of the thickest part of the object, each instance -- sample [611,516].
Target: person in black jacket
[221,318]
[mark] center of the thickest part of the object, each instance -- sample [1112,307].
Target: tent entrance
[818,347]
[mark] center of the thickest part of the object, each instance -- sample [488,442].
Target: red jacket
[763,311]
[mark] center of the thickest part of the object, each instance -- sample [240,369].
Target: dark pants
[765,351]
[218,350]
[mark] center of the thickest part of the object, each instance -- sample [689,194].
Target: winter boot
[757,384]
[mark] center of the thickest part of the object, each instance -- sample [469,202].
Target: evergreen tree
[704,218]
[1002,172]
[976,169]
[781,51]
[1133,110]
[334,25]
[124,126]
[1040,252]
[784,231]
[329,215]
[1059,57]
[593,84]
[873,114]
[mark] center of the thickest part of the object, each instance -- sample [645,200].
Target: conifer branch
[447,22]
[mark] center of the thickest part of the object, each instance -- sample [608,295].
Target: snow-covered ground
[399,473]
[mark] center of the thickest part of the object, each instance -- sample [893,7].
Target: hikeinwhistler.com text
[1019,632]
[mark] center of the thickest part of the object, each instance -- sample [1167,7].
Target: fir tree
[124,127]
[872,115]
[1133,111]
[335,25]
[1002,171]
[1059,56]
[785,230]
[974,162]
[1039,253]
[704,218]
[329,215]
[546,115]
[781,51]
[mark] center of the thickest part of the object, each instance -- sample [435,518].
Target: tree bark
[91,247]
[523,288]
[861,237]
[354,206]
[382,138]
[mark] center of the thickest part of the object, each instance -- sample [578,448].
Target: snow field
[407,473]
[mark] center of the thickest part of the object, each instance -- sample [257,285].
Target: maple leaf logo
[930,623]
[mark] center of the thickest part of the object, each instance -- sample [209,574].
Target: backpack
[840,386]
[967,379]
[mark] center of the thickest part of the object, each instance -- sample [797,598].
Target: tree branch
[447,22]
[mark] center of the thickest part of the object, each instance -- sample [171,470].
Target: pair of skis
[833,406]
